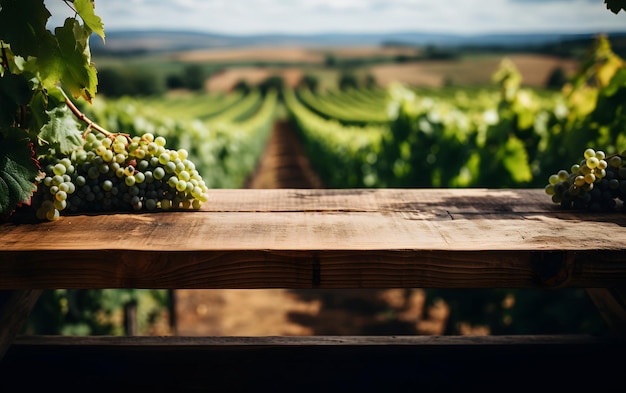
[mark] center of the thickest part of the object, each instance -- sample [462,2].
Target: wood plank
[208,342]
[301,269]
[454,238]
[429,200]
[302,364]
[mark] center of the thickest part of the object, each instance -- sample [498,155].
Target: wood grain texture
[214,342]
[354,238]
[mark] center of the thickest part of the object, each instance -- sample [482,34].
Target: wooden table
[352,238]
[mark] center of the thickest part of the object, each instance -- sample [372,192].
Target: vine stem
[90,124]
[5,60]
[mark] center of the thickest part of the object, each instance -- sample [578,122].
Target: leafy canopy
[37,67]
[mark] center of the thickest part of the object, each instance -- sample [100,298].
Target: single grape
[553,179]
[151,204]
[615,161]
[57,180]
[592,162]
[158,173]
[107,185]
[60,205]
[164,158]
[59,169]
[140,177]
[588,153]
[53,215]
[181,185]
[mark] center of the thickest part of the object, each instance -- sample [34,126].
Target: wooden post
[172,310]
[130,318]
[15,307]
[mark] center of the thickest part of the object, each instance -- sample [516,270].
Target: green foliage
[273,82]
[242,86]
[35,65]
[61,132]
[349,107]
[517,311]
[509,137]
[117,82]
[348,80]
[174,81]
[330,60]
[17,168]
[557,79]
[194,77]
[310,82]
[345,156]
[94,312]
[224,134]
[615,5]
[369,82]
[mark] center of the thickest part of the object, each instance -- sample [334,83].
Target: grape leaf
[42,101]
[85,9]
[515,160]
[14,91]
[18,170]
[618,81]
[22,23]
[79,75]
[615,5]
[49,66]
[61,132]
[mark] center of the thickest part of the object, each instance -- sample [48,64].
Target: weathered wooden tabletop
[352,238]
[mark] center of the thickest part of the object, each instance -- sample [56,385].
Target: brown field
[535,70]
[289,54]
[225,80]
[478,70]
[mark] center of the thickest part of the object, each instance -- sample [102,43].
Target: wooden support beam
[557,363]
[15,307]
[611,303]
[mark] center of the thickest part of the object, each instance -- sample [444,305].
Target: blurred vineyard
[503,136]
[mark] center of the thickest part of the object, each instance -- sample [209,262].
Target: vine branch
[5,59]
[90,124]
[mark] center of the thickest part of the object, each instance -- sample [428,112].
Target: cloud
[306,16]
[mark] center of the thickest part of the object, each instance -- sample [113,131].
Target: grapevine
[597,183]
[114,172]
[47,162]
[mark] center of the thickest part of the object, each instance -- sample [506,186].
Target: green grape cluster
[597,183]
[119,173]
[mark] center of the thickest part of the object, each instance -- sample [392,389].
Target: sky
[243,17]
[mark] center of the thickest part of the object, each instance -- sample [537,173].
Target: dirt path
[301,312]
[284,163]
